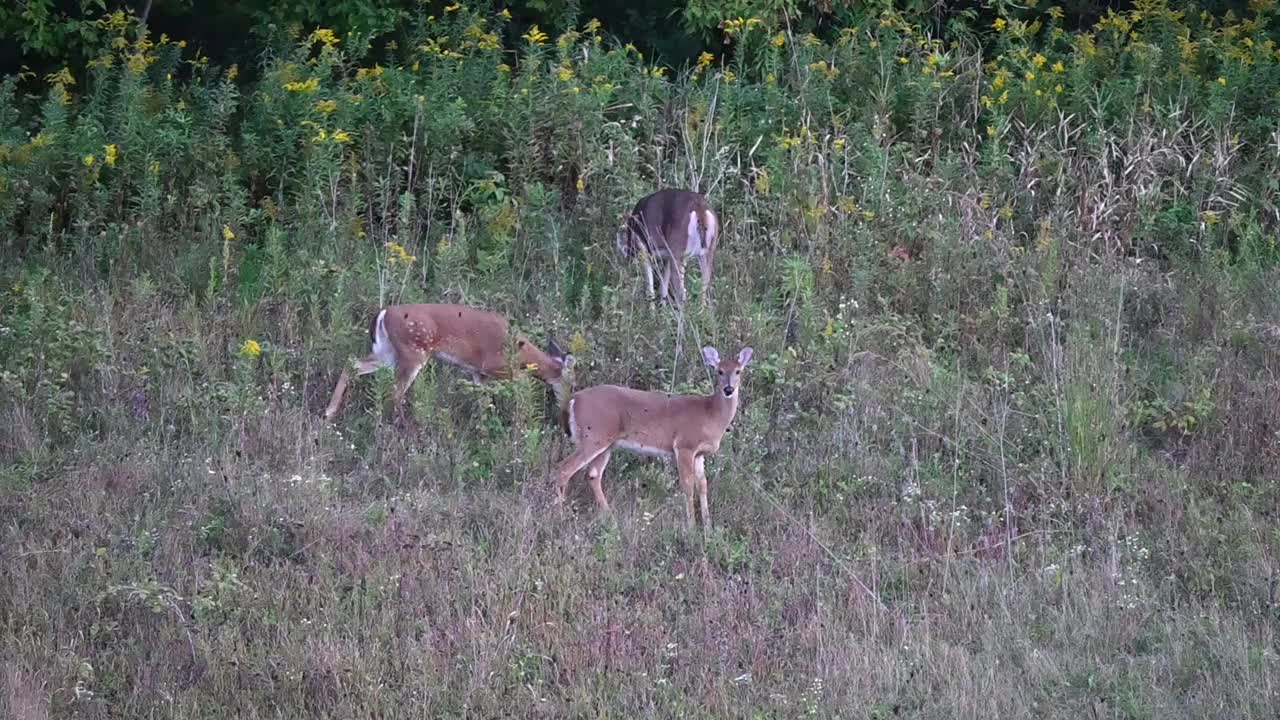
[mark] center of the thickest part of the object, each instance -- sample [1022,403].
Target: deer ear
[711,356]
[744,356]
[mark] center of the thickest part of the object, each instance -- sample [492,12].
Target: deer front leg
[405,375]
[701,468]
[687,466]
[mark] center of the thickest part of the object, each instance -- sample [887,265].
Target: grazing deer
[404,337]
[669,227]
[687,428]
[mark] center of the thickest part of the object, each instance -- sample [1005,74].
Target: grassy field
[1007,448]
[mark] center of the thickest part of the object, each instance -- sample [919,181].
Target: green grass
[1027,472]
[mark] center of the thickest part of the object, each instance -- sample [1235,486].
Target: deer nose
[728,391]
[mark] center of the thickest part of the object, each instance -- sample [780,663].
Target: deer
[405,337]
[669,227]
[685,428]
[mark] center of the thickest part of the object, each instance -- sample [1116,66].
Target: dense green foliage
[1007,448]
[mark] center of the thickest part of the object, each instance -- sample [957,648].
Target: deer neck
[724,408]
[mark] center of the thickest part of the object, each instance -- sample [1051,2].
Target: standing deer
[404,337]
[669,227]
[684,427]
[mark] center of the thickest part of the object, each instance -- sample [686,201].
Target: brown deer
[404,337]
[685,428]
[669,227]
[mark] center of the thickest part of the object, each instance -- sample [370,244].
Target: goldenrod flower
[398,255]
[250,349]
[535,36]
[303,87]
[326,36]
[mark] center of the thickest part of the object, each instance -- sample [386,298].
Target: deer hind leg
[360,367]
[687,466]
[665,274]
[570,466]
[677,275]
[648,273]
[704,263]
[595,474]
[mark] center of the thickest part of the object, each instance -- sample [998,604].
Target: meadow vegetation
[1008,446]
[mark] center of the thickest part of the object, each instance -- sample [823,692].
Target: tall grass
[1007,447]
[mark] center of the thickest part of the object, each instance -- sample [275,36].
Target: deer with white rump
[686,428]
[669,227]
[405,337]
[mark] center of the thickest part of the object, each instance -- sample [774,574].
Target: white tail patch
[713,229]
[382,348]
[697,245]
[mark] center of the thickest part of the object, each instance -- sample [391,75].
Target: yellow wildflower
[505,14]
[306,86]
[324,35]
[581,185]
[325,107]
[1058,67]
[504,68]
[705,60]
[592,26]
[1030,76]
[89,160]
[1222,81]
[227,233]
[1039,60]
[250,349]
[1000,24]
[453,8]
[565,73]
[779,40]
[398,255]
[110,153]
[341,136]
[535,36]
[233,72]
